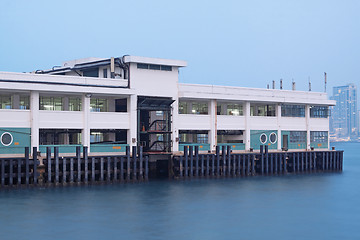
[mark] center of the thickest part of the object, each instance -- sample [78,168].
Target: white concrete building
[106,104]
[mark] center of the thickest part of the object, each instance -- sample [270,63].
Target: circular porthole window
[6,139]
[263,138]
[273,138]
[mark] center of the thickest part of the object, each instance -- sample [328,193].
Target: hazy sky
[239,43]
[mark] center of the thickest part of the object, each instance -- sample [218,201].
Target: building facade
[107,104]
[344,116]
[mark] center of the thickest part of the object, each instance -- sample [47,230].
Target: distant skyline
[238,43]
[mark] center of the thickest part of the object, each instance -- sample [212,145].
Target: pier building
[108,104]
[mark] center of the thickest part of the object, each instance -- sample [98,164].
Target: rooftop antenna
[325,81]
[273,84]
[281,83]
[309,85]
[293,85]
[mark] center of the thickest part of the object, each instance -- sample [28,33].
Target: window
[319,111]
[105,73]
[263,138]
[298,136]
[51,103]
[166,68]
[154,67]
[234,109]
[186,107]
[273,138]
[319,136]
[24,102]
[202,138]
[292,110]
[183,107]
[108,136]
[6,139]
[142,66]
[199,108]
[74,104]
[5,102]
[94,72]
[60,136]
[193,136]
[264,110]
[98,105]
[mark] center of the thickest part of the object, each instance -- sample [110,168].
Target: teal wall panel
[20,140]
[108,147]
[234,146]
[202,146]
[62,148]
[292,145]
[255,139]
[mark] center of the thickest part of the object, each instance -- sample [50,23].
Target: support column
[174,126]
[34,119]
[16,101]
[86,116]
[278,116]
[247,125]
[213,125]
[307,118]
[133,121]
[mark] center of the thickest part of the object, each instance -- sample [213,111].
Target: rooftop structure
[107,104]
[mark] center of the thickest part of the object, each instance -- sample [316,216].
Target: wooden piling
[101,169]
[27,169]
[141,163]
[35,159]
[86,161]
[3,173]
[217,161]
[48,162]
[223,153]
[19,172]
[191,153]
[78,161]
[72,170]
[64,171]
[108,169]
[186,158]
[92,159]
[202,165]
[56,158]
[146,168]
[128,163]
[196,161]
[134,153]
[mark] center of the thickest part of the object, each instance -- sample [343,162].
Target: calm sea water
[318,206]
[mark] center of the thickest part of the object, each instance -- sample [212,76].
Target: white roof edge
[249,88]
[159,61]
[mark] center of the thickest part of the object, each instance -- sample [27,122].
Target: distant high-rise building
[344,116]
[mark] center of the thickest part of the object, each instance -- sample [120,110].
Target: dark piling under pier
[138,167]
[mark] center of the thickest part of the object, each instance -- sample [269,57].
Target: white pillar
[247,125]
[65,102]
[307,118]
[213,125]
[132,109]
[86,116]
[174,124]
[34,119]
[278,115]
[16,101]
